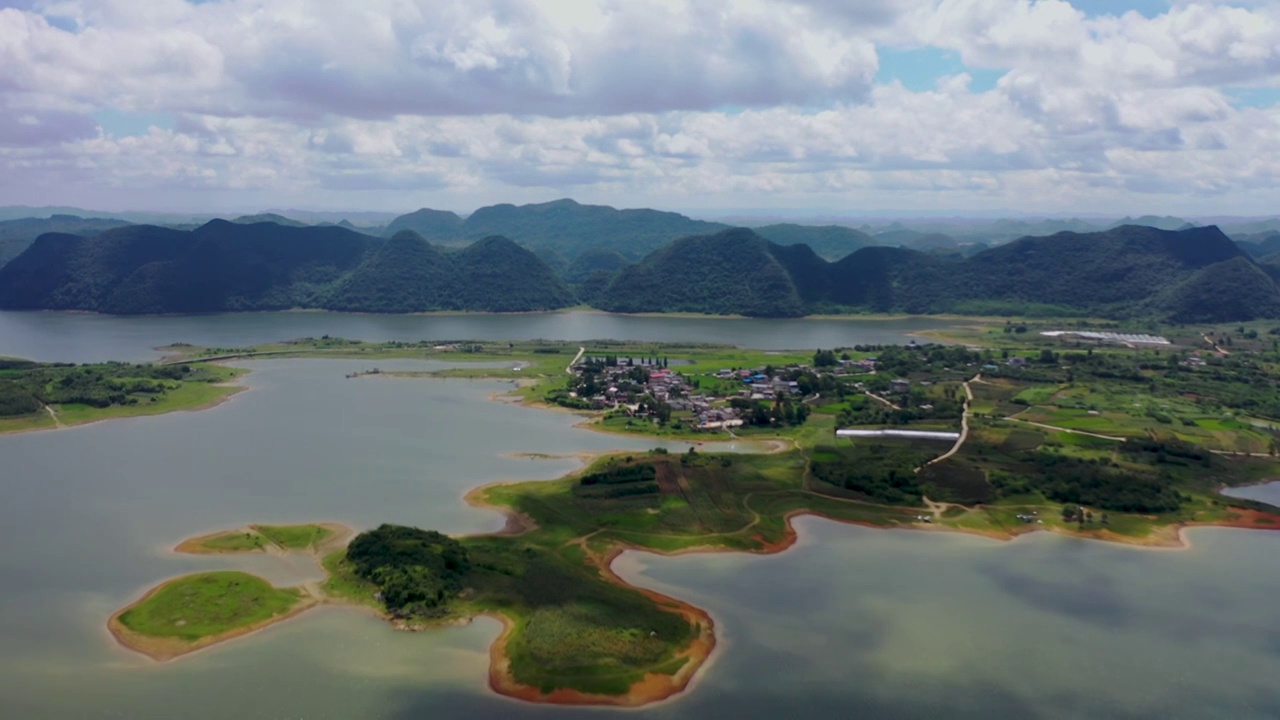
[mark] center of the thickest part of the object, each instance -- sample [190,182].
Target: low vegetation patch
[207,604]
[295,537]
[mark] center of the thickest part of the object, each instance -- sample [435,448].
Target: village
[648,387]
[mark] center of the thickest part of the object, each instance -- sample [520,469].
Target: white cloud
[400,103]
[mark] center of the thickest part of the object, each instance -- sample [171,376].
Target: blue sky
[1097,107]
[919,69]
[1147,8]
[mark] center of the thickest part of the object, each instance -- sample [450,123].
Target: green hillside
[497,275]
[17,235]
[404,274]
[1234,289]
[1194,274]
[224,266]
[595,260]
[1105,272]
[730,273]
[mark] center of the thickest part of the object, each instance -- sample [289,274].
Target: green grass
[294,537]
[23,423]
[235,542]
[344,584]
[1038,395]
[207,604]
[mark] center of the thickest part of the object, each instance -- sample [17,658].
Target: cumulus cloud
[381,58]
[400,103]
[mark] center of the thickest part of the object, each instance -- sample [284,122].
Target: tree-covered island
[1111,433]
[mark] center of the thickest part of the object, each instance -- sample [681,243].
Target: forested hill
[1193,275]
[1196,274]
[17,235]
[564,226]
[223,266]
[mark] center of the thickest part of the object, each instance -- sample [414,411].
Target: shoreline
[656,688]
[653,687]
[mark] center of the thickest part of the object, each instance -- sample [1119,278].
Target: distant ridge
[268,218]
[565,226]
[1197,274]
[17,235]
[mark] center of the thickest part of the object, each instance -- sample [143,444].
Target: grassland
[195,611]
[267,538]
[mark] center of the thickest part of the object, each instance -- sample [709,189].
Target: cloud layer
[394,104]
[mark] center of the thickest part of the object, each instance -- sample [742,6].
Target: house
[900,386]
[1017,362]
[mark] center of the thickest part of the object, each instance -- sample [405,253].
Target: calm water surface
[82,337]
[851,623]
[1266,492]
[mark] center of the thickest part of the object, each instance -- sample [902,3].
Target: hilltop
[565,226]
[17,235]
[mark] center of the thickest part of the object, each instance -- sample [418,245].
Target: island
[194,611]
[267,538]
[1085,429]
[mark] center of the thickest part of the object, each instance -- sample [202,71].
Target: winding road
[964,425]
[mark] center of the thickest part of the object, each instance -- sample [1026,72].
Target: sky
[1088,107]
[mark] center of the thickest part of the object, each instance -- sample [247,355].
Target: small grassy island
[1078,428]
[195,611]
[266,538]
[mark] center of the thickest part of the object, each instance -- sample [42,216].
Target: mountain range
[782,270]
[1191,275]
[225,266]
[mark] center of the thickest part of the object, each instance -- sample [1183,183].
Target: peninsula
[44,396]
[1095,433]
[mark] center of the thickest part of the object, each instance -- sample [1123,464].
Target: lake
[852,622]
[84,337]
